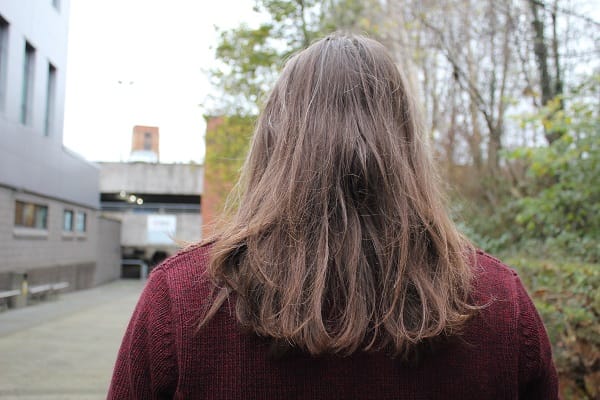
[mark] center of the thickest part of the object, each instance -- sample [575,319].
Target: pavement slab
[65,348]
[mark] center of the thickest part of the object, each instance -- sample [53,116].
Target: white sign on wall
[161,229]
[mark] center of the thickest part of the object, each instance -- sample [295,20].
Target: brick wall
[138,138]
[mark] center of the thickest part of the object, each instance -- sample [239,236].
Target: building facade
[158,206]
[49,196]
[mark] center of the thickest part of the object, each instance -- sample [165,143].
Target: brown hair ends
[340,240]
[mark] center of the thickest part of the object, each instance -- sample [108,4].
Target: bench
[35,290]
[60,285]
[47,289]
[9,293]
[6,295]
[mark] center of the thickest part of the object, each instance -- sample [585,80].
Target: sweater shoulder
[192,259]
[493,266]
[185,272]
[493,279]
[495,290]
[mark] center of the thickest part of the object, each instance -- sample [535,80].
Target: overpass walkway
[65,348]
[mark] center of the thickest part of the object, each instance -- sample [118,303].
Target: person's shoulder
[488,264]
[185,271]
[493,279]
[194,257]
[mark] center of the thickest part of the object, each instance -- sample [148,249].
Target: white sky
[164,48]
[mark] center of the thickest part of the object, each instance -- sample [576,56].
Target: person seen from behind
[340,274]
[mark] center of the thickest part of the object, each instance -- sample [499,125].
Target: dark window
[147,141]
[3,59]
[50,96]
[27,90]
[31,215]
[68,221]
[80,221]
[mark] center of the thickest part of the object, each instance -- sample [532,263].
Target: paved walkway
[65,348]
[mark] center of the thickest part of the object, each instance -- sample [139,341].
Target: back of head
[341,241]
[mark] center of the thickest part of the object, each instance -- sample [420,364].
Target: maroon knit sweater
[504,352]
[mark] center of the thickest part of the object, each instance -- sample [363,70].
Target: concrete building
[158,205]
[49,225]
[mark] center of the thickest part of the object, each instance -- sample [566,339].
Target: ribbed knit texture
[504,352]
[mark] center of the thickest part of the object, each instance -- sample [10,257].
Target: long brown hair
[340,241]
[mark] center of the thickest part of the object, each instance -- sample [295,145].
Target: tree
[478,63]
[250,59]
[227,139]
[551,84]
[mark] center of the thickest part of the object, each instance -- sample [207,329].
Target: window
[68,221]
[27,90]
[31,215]
[50,95]
[80,221]
[3,58]
[147,141]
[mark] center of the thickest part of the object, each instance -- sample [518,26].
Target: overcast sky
[158,50]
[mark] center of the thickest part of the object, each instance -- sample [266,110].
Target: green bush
[546,200]
[567,296]
[559,197]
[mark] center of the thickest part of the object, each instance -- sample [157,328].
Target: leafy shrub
[567,295]
[546,198]
[559,201]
